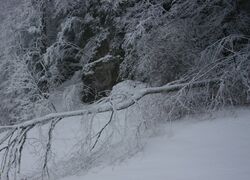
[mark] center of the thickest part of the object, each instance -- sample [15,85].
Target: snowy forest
[88,83]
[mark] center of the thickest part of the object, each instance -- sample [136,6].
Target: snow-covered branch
[107,107]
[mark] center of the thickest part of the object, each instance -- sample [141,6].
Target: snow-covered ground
[214,147]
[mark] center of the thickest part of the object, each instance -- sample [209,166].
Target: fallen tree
[13,141]
[107,107]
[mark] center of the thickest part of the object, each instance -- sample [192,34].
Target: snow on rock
[206,147]
[127,87]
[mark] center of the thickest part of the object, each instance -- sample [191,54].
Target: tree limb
[107,107]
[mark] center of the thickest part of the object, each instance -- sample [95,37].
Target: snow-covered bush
[19,90]
[166,48]
[61,62]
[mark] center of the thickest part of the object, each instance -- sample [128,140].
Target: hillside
[86,83]
[204,147]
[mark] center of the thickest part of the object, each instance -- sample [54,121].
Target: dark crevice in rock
[99,77]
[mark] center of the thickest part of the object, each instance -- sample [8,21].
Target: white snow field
[214,147]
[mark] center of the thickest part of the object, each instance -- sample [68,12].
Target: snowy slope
[214,147]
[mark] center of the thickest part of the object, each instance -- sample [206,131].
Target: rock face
[152,41]
[99,77]
[244,5]
[89,42]
[155,42]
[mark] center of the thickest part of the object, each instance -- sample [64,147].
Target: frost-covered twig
[103,128]
[48,147]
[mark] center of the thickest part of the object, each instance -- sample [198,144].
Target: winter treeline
[47,42]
